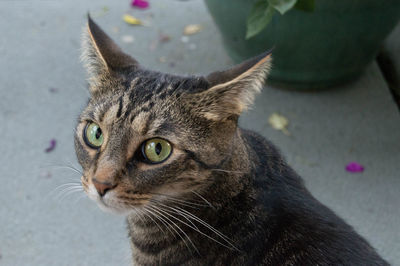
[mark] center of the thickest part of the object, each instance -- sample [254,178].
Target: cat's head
[145,135]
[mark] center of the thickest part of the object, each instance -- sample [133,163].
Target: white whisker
[160,204]
[228,171]
[200,196]
[64,190]
[169,213]
[59,188]
[190,204]
[183,212]
[148,214]
[160,212]
[161,220]
[68,192]
[70,167]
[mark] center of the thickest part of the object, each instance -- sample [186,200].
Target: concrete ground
[43,89]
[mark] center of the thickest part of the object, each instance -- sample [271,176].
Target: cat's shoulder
[259,143]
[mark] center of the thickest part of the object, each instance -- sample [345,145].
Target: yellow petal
[192,29]
[279,122]
[131,20]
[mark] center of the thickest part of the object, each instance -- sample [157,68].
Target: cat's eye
[93,136]
[156,150]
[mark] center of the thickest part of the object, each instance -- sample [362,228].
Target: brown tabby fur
[225,196]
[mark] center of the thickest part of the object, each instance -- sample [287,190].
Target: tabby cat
[166,151]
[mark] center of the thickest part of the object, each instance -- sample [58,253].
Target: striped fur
[225,196]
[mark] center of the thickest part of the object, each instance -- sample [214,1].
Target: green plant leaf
[305,5]
[260,15]
[282,6]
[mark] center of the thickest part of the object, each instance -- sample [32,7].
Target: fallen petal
[354,167]
[279,122]
[140,4]
[192,29]
[52,146]
[131,20]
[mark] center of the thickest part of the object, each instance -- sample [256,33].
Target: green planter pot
[331,45]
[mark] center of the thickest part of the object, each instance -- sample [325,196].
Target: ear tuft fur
[101,55]
[232,91]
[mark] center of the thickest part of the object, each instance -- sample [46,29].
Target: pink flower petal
[354,167]
[52,146]
[140,4]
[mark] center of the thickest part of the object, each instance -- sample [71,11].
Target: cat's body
[271,218]
[197,190]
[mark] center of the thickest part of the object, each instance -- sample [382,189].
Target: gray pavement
[39,50]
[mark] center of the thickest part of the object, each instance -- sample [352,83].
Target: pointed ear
[101,54]
[232,91]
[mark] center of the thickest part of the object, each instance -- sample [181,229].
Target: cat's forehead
[142,86]
[140,94]
[143,82]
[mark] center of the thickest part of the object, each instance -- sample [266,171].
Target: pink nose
[102,187]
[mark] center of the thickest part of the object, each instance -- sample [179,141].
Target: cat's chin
[118,210]
[109,203]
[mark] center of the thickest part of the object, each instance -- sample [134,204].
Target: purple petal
[140,4]
[52,146]
[354,167]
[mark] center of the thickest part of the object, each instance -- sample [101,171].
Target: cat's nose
[102,187]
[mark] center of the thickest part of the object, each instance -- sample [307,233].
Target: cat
[167,152]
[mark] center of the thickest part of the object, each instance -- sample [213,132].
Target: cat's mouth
[113,206]
[111,201]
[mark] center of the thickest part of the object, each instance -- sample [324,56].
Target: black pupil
[98,133]
[158,148]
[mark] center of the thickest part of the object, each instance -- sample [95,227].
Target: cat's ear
[233,91]
[101,54]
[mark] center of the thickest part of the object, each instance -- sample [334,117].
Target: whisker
[179,210]
[200,196]
[227,171]
[160,203]
[182,202]
[64,190]
[140,216]
[80,198]
[68,191]
[204,234]
[70,167]
[147,213]
[174,197]
[161,220]
[59,188]
[158,210]
[169,213]
[69,187]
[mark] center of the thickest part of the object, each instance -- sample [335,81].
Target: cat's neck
[232,176]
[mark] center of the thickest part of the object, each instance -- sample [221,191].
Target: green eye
[156,150]
[93,136]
